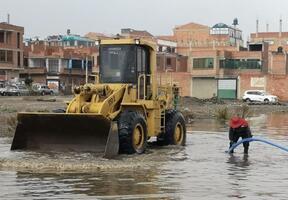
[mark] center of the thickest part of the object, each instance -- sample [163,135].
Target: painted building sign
[258,82]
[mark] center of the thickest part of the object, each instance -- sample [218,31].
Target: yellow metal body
[111,99]
[90,121]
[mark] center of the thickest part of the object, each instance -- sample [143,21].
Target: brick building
[219,72]
[196,36]
[168,59]
[210,52]
[276,77]
[11,51]
[131,33]
[167,56]
[60,61]
[97,36]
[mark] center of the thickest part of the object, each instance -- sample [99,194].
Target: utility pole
[257,27]
[70,72]
[86,70]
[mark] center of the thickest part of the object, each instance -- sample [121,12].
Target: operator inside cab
[124,64]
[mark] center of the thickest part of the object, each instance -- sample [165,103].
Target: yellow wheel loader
[118,114]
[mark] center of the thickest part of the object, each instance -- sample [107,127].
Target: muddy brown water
[201,170]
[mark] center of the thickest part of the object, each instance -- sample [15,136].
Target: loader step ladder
[162,121]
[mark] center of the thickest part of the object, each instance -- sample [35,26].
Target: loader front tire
[175,129]
[132,130]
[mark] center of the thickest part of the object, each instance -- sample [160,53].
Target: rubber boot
[246,150]
[231,143]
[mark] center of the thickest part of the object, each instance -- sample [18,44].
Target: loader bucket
[66,132]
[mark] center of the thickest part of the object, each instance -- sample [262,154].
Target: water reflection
[238,172]
[108,184]
[237,163]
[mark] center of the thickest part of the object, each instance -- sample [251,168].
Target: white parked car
[259,96]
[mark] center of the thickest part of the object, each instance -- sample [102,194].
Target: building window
[10,56]
[25,62]
[19,59]
[53,66]
[241,64]
[77,64]
[37,62]
[203,63]
[168,61]
[18,40]
[6,56]
[1,36]
[2,56]
[168,49]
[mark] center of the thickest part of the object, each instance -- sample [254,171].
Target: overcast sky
[159,17]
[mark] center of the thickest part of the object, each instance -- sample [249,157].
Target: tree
[28,81]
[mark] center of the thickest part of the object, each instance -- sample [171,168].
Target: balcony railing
[75,71]
[240,64]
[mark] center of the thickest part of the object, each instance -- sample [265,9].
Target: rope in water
[256,139]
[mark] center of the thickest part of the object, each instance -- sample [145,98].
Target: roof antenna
[257,27]
[8,18]
[280,30]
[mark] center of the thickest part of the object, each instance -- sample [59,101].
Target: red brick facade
[11,51]
[60,65]
[183,79]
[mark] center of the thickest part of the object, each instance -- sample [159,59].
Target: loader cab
[126,63]
[123,63]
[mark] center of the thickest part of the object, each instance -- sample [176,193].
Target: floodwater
[201,170]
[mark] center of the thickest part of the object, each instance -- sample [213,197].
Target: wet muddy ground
[192,108]
[200,170]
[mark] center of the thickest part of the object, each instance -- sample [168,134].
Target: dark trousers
[236,133]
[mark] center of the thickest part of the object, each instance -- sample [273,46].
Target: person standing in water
[239,127]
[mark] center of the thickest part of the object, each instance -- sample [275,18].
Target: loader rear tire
[132,131]
[175,129]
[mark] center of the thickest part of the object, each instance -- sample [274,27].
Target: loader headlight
[77,90]
[97,42]
[137,41]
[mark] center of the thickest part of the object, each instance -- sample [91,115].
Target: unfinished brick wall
[182,64]
[277,63]
[275,39]
[245,83]
[183,79]
[274,84]
[190,33]
[278,85]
